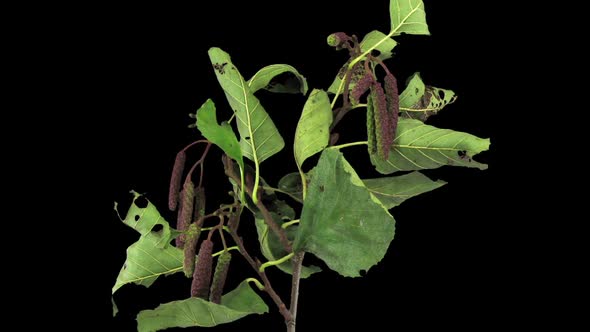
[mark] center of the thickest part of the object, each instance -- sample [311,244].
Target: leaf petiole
[228,249]
[338,147]
[289,223]
[277,262]
[256,282]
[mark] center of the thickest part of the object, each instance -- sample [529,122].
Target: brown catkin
[219,277]
[186,211]
[381,121]
[362,86]
[203,269]
[371,125]
[391,92]
[175,180]
[199,205]
[180,238]
[190,249]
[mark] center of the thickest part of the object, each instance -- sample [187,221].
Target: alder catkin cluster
[382,112]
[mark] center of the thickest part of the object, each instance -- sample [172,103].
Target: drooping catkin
[185,212]
[372,140]
[382,120]
[219,277]
[362,86]
[190,249]
[199,205]
[175,180]
[203,269]
[391,92]
[180,238]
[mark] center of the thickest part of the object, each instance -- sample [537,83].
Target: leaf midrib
[389,35]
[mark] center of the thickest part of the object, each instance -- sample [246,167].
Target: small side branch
[267,285]
[268,219]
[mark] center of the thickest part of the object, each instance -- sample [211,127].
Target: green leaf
[221,135]
[272,249]
[418,146]
[263,79]
[392,191]
[259,137]
[152,255]
[420,101]
[313,130]
[379,41]
[291,184]
[143,220]
[342,222]
[333,88]
[413,92]
[193,312]
[408,16]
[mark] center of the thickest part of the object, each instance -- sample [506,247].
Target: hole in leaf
[247,138]
[417,90]
[462,154]
[136,217]
[441,94]
[157,228]
[141,202]
[363,273]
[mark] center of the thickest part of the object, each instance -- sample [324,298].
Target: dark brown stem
[280,232]
[220,231]
[195,143]
[268,219]
[267,285]
[199,162]
[297,264]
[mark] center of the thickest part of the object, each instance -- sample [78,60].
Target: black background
[445,267]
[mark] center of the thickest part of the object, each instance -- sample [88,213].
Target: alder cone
[219,277]
[203,270]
